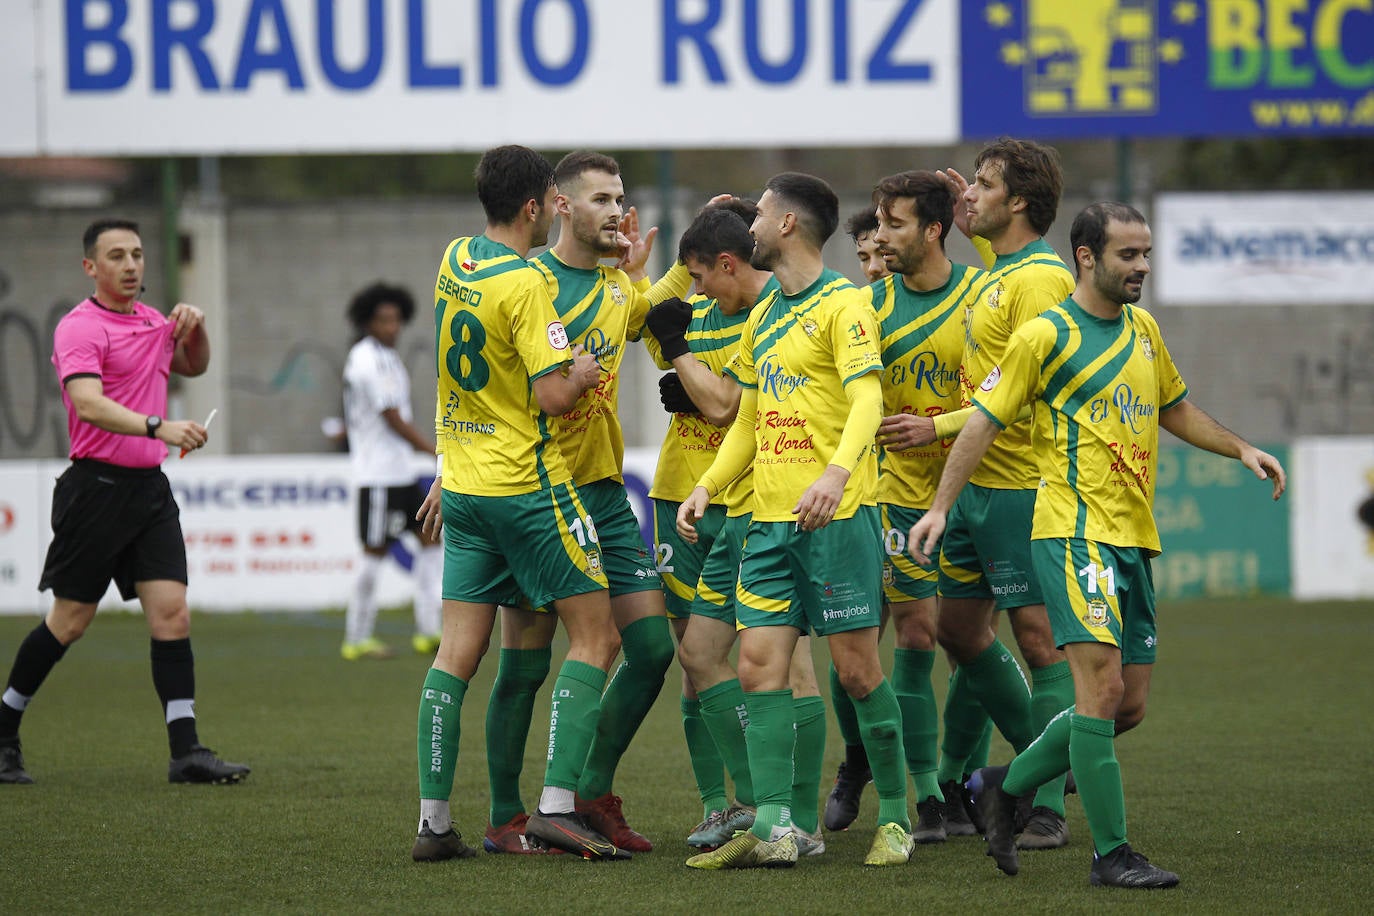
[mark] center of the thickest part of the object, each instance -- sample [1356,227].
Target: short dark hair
[94,230]
[863,222]
[367,300]
[812,200]
[717,229]
[507,178]
[1031,172]
[572,166]
[932,200]
[1090,226]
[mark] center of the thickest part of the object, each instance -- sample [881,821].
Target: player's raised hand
[957,185]
[690,512]
[635,247]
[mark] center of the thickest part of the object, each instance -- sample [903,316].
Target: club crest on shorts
[1096,615]
[889,574]
[594,560]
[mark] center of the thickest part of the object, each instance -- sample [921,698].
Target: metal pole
[667,237]
[1125,187]
[171,234]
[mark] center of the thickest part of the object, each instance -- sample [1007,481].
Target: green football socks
[880,726]
[808,758]
[572,722]
[518,678]
[724,711]
[996,679]
[771,736]
[965,722]
[441,702]
[1046,758]
[844,710]
[707,766]
[920,726]
[1093,758]
[648,648]
[1051,694]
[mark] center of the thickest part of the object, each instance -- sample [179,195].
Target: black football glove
[675,397]
[668,322]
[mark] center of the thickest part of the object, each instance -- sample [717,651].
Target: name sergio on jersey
[775,380]
[926,370]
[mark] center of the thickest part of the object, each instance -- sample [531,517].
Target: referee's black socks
[37,654]
[174,678]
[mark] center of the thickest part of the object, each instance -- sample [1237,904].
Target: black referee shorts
[385,512]
[111,522]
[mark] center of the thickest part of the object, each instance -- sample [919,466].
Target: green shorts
[679,562]
[1099,593]
[720,571]
[826,581]
[629,563]
[541,544]
[985,552]
[903,578]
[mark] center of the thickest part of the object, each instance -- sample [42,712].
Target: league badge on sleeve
[558,335]
[991,381]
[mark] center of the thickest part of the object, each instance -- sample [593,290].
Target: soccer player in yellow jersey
[504,500]
[700,572]
[602,309]
[809,365]
[1101,382]
[985,562]
[920,309]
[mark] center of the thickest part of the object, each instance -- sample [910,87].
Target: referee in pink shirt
[113,515]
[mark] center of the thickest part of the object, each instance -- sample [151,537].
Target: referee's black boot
[201,765]
[12,763]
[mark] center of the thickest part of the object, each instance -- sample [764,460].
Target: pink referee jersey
[132,356]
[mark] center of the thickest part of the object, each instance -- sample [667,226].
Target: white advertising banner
[18,69]
[1333,517]
[123,77]
[268,533]
[1263,249]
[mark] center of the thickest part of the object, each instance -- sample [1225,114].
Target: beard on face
[1113,286]
[762,257]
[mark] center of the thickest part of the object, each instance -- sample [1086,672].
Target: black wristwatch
[154,423]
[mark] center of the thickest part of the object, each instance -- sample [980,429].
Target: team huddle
[945,443]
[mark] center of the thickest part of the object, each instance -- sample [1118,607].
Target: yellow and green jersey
[799,352]
[691,443]
[922,345]
[602,310]
[1098,388]
[1018,287]
[495,331]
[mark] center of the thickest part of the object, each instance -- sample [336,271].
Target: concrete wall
[277,280]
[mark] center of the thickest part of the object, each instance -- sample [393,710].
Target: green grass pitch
[1250,777]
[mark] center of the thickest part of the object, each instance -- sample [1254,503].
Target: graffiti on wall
[32,420]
